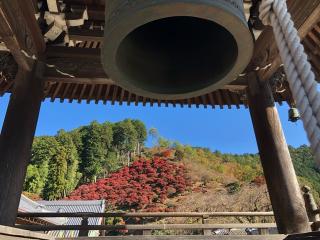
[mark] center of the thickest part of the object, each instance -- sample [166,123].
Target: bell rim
[140,17]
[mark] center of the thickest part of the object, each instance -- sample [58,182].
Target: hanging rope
[299,74]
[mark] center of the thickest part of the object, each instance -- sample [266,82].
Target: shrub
[179,155]
[139,186]
[233,187]
[259,180]
[167,153]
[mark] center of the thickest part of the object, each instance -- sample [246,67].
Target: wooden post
[263,231]
[16,139]
[205,220]
[312,208]
[286,198]
[84,222]
[103,232]
[146,232]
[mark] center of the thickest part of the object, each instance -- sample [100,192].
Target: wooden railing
[9,233]
[146,229]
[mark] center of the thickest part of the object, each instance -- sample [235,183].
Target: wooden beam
[73,94]
[75,65]
[83,89]
[3,47]
[89,97]
[79,80]
[85,2]
[98,95]
[194,237]
[16,139]
[106,94]
[96,13]
[147,226]
[114,94]
[83,66]
[81,34]
[65,91]
[305,15]
[20,32]
[8,233]
[284,191]
[143,214]
[8,67]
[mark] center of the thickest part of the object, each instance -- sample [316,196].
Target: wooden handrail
[150,214]
[191,237]
[14,233]
[148,227]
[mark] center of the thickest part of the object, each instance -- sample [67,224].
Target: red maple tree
[140,186]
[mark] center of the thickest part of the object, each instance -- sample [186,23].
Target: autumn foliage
[140,186]
[167,153]
[259,180]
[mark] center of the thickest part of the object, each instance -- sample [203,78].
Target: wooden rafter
[305,15]
[71,71]
[20,32]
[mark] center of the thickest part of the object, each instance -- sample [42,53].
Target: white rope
[299,74]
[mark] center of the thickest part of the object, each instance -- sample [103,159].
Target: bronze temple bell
[175,49]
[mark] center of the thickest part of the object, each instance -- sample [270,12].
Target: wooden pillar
[312,208]
[284,191]
[205,220]
[84,222]
[16,139]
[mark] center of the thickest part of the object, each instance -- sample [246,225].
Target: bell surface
[166,49]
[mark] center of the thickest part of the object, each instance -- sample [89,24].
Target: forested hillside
[60,163]
[109,161]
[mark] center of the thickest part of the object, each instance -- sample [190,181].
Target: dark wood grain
[20,31]
[16,139]
[287,201]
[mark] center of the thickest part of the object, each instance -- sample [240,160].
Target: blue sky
[225,130]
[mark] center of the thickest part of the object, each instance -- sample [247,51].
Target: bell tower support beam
[22,36]
[283,187]
[16,139]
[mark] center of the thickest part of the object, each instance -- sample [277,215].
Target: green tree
[164,143]
[112,163]
[141,133]
[96,140]
[76,136]
[305,166]
[35,181]
[72,176]
[125,139]
[43,149]
[58,167]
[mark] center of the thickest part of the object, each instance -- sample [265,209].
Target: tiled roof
[28,205]
[75,207]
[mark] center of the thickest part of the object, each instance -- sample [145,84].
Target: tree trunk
[128,157]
